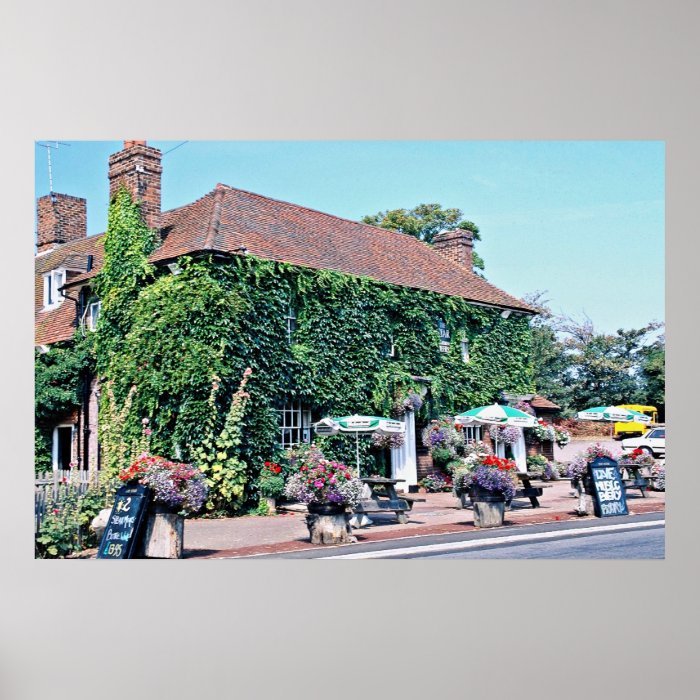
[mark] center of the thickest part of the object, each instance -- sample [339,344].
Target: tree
[424,222]
[606,368]
[654,373]
[578,367]
[551,363]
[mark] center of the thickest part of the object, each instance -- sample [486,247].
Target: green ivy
[215,318]
[58,382]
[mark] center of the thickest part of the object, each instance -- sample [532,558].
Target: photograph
[352,349]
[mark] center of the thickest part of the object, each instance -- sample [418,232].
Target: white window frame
[52,297]
[54,443]
[472,433]
[291,321]
[90,319]
[294,424]
[464,347]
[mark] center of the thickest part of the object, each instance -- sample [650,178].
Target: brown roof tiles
[227,220]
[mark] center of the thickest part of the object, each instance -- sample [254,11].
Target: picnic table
[528,490]
[636,477]
[380,497]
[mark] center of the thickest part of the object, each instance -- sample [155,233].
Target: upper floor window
[465,350]
[93,313]
[444,336]
[291,320]
[53,281]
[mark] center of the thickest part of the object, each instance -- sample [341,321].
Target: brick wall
[457,245]
[138,168]
[61,218]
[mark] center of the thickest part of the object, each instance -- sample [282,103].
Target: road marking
[507,539]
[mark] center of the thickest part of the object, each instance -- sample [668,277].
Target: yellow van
[623,430]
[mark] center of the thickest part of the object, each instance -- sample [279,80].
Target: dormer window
[53,281]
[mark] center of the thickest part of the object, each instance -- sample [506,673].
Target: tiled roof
[227,220]
[58,323]
[540,402]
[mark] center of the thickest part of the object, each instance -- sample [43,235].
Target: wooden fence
[60,486]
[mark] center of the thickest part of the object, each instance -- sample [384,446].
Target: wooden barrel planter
[488,507]
[329,523]
[164,533]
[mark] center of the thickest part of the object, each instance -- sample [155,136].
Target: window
[472,433]
[52,282]
[62,446]
[295,424]
[291,319]
[93,313]
[661,433]
[465,350]
[388,349]
[444,336]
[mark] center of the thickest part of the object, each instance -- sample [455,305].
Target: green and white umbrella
[359,424]
[496,415]
[613,414]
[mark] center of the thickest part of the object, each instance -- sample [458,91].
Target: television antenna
[48,147]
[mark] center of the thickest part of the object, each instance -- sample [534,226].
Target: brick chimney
[61,218]
[138,167]
[457,245]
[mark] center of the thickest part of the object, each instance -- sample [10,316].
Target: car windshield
[656,434]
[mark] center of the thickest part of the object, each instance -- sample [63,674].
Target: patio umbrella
[496,414]
[613,414]
[359,424]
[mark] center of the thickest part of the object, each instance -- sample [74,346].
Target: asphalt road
[626,537]
[647,544]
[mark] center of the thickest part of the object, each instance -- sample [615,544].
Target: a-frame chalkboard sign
[608,490]
[124,526]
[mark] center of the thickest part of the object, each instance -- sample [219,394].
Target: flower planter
[329,523]
[164,534]
[489,507]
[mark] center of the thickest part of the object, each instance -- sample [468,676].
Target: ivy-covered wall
[214,319]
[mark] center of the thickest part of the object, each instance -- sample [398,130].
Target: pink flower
[147,431]
[145,421]
[248,372]
[318,483]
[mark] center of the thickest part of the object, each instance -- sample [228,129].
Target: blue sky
[583,220]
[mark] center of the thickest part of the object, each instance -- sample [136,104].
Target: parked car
[653,442]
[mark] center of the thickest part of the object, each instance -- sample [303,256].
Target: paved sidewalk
[250,535]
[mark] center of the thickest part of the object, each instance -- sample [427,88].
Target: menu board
[608,489]
[121,535]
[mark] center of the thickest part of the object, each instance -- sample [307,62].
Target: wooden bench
[410,499]
[530,490]
[384,505]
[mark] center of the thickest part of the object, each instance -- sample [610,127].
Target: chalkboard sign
[608,489]
[121,535]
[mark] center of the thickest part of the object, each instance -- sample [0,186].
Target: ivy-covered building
[332,316]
